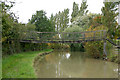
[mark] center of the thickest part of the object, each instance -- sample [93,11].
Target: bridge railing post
[74,36]
[63,36]
[100,34]
[94,35]
[83,36]
[104,34]
[104,48]
[40,36]
[58,36]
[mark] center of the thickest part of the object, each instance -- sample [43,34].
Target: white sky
[25,8]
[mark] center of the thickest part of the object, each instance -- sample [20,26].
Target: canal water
[65,64]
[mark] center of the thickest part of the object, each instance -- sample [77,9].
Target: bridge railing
[65,36]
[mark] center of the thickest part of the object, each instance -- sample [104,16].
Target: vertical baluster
[100,35]
[52,36]
[63,36]
[57,36]
[83,36]
[73,36]
[94,35]
[68,35]
[41,36]
[104,34]
[47,37]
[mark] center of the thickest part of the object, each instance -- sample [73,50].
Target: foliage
[8,20]
[52,21]
[96,21]
[74,28]
[90,47]
[41,22]
[112,51]
[58,46]
[94,51]
[61,20]
[13,32]
[75,11]
[8,24]
[28,32]
[65,19]
[84,21]
[79,12]
[109,13]
[73,36]
[83,8]
[77,47]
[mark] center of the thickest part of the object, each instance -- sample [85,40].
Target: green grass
[20,65]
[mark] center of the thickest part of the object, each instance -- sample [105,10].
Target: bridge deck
[58,41]
[64,37]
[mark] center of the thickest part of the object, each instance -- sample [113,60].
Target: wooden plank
[82,38]
[72,32]
[38,41]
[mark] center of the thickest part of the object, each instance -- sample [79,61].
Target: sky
[24,9]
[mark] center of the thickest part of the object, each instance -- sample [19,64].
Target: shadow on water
[66,64]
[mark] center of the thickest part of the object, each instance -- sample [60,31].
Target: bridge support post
[118,60]
[104,50]
[119,14]
[118,43]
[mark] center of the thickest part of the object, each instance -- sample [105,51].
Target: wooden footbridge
[64,37]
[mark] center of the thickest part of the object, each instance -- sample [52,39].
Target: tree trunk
[104,50]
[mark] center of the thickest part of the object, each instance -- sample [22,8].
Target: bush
[77,47]
[58,46]
[94,49]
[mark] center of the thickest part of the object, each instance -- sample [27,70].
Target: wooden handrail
[68,32]
[81,36]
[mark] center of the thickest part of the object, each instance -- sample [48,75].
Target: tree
[61,20]
[109,13]
[75,11]
[52,21]
[84,21]
[9,28]
[83,8]
[8,19]
[41,22]
[56,22]
[66,18]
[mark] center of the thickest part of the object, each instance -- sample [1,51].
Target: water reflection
[68,55]
[74,65]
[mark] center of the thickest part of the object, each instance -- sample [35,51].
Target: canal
[66,64]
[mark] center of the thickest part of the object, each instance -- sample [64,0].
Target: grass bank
[20,65]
